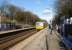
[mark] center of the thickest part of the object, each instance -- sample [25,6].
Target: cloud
[47,14]
[47,11]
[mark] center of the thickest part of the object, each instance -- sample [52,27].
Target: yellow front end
[39,27]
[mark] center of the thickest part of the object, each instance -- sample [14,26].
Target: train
[41,25]
[65,30]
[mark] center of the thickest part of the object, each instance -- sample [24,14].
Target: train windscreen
[68,29]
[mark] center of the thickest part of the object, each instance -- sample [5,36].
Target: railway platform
[42,40]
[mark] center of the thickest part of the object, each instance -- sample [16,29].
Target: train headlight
[67,21]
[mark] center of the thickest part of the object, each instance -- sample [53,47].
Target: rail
[10,38]
[12,32]
[9,31]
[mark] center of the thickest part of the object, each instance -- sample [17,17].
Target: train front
[39,25]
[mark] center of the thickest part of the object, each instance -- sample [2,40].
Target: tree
[63,8]
[14,13]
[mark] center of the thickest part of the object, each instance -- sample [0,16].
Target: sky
[43,8]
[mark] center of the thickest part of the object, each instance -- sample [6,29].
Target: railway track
[10,40]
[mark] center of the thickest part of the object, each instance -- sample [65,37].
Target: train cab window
[68,29]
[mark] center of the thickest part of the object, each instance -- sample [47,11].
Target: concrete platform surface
[35,42]
[53,41]
[42,40]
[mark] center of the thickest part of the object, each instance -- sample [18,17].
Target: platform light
[71,20]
